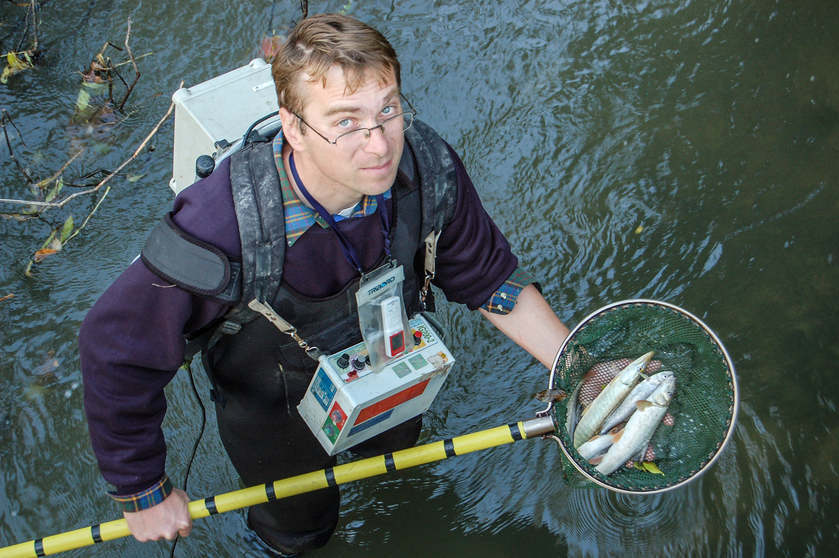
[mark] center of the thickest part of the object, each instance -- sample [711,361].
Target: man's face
[356,165]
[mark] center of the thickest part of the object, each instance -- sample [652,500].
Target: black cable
[188,366]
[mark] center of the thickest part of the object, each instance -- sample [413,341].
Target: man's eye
[345,123]
[388,110]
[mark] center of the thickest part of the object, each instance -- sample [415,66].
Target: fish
[599,444]
[639,428]
[551,395]
[609,398]
[643,390]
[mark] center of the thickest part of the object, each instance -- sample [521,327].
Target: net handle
[561,352]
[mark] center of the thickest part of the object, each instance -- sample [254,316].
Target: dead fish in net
[639,428]
[611,396]
[640,392]
[599,444]
[602,373]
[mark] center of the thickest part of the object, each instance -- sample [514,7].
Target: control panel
[347,402]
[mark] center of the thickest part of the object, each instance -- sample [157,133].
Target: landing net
[701,414]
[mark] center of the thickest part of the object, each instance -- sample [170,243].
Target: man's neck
[329,198]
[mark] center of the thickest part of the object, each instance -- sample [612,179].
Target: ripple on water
[652,525]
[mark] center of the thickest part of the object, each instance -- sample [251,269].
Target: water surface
[683,151]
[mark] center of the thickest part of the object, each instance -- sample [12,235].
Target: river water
[684,151]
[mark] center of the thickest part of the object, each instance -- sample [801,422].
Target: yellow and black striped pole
[307,482]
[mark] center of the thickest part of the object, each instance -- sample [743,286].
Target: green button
[401,369]
[418,362]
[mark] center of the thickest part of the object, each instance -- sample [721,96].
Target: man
[338,192]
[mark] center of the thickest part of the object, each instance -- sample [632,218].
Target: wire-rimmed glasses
[360,135]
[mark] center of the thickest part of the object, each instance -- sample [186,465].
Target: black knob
[204,166]
[344,360]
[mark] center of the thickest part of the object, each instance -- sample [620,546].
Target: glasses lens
[397,123]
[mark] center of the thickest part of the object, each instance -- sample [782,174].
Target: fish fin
[596,459]
[643,404]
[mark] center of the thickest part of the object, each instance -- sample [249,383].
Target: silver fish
[627,407]
[609,398]
[598,444]
[640,428]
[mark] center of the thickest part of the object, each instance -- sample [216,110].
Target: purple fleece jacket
[131,342]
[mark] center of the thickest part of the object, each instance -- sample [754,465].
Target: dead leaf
[271,46]
[7,297]
[43,253]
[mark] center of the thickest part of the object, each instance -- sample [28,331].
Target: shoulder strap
[438,186]
[190,263]
[437,176]
[259,211]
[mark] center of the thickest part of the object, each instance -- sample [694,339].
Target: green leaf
[59,184]
[66,229]
[134,177]
[82,101]
[651,467]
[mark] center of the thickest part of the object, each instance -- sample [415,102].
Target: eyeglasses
[358,136]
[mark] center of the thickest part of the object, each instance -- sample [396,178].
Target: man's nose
[377,141]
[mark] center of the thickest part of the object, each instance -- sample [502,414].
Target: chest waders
[258,374]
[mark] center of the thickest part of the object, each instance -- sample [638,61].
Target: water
[675,150]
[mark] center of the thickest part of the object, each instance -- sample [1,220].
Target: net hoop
[561,353]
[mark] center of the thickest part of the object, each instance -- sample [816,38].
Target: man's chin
[379,185]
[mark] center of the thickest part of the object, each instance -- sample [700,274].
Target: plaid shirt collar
[298,216]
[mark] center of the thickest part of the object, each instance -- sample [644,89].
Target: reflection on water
[663,149]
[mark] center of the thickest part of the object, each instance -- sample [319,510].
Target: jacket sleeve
[131,343]
[473,257]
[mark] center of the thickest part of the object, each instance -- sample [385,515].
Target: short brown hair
[319,42]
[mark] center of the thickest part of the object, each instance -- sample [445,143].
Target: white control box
[347,403]
[221,108]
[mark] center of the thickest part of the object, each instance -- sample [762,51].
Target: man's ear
[291,129]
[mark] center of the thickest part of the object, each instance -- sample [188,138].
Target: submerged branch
[4,119]
[133,63]
[104,181]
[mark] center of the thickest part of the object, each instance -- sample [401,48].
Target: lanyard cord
[349,250]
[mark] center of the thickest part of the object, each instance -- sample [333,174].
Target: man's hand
[166,520]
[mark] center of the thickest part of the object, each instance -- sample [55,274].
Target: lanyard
[349,250]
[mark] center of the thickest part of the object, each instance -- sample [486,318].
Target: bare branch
[46,181]
[133,63]
[3,120]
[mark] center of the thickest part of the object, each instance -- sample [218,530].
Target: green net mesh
[701,413]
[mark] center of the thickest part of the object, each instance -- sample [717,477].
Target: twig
[46,181]
[6,118]
[33,6]
[105,180]
[133,62]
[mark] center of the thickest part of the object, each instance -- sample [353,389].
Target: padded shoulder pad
[191,263]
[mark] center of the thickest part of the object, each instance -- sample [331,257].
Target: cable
[188,366]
